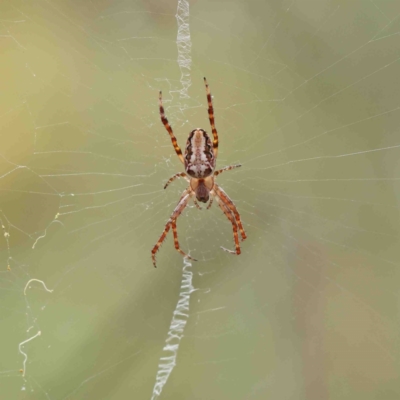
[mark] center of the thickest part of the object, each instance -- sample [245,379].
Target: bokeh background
[306,98]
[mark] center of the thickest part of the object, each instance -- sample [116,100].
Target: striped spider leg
[183,201]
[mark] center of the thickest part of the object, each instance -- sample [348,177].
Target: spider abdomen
[199,154]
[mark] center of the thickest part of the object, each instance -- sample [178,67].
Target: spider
[199,161]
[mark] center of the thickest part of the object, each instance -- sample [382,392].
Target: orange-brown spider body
[199,154]
[199,161]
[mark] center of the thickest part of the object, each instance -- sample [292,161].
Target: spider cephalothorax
[202,188]
[199,161]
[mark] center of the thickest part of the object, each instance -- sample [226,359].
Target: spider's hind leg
[211,118]
[167,126]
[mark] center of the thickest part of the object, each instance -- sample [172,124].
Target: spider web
[305,98]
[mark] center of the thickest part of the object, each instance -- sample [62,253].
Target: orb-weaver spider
[199,161]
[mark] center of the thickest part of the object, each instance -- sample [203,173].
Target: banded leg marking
[211,118]
[164,120]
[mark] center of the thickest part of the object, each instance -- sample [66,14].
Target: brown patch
[202,192]
[199,154]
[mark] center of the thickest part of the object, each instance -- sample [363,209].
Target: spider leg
[229,203]
[211,201]
[186,195]
[211,118]
[197,204]
[180,175]
[176,243]
[164,120]
[220,171]
[228,213]
[159,243]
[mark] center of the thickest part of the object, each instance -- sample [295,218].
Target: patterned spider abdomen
[199,154]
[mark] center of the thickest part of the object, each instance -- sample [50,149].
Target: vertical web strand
[184,45]
[175,332]
[181,313]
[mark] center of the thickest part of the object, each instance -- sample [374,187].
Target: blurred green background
[306,98]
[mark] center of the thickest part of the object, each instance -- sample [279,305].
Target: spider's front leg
[231,218]
[186,195]
[229,204]
[231,212]
[176,242]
